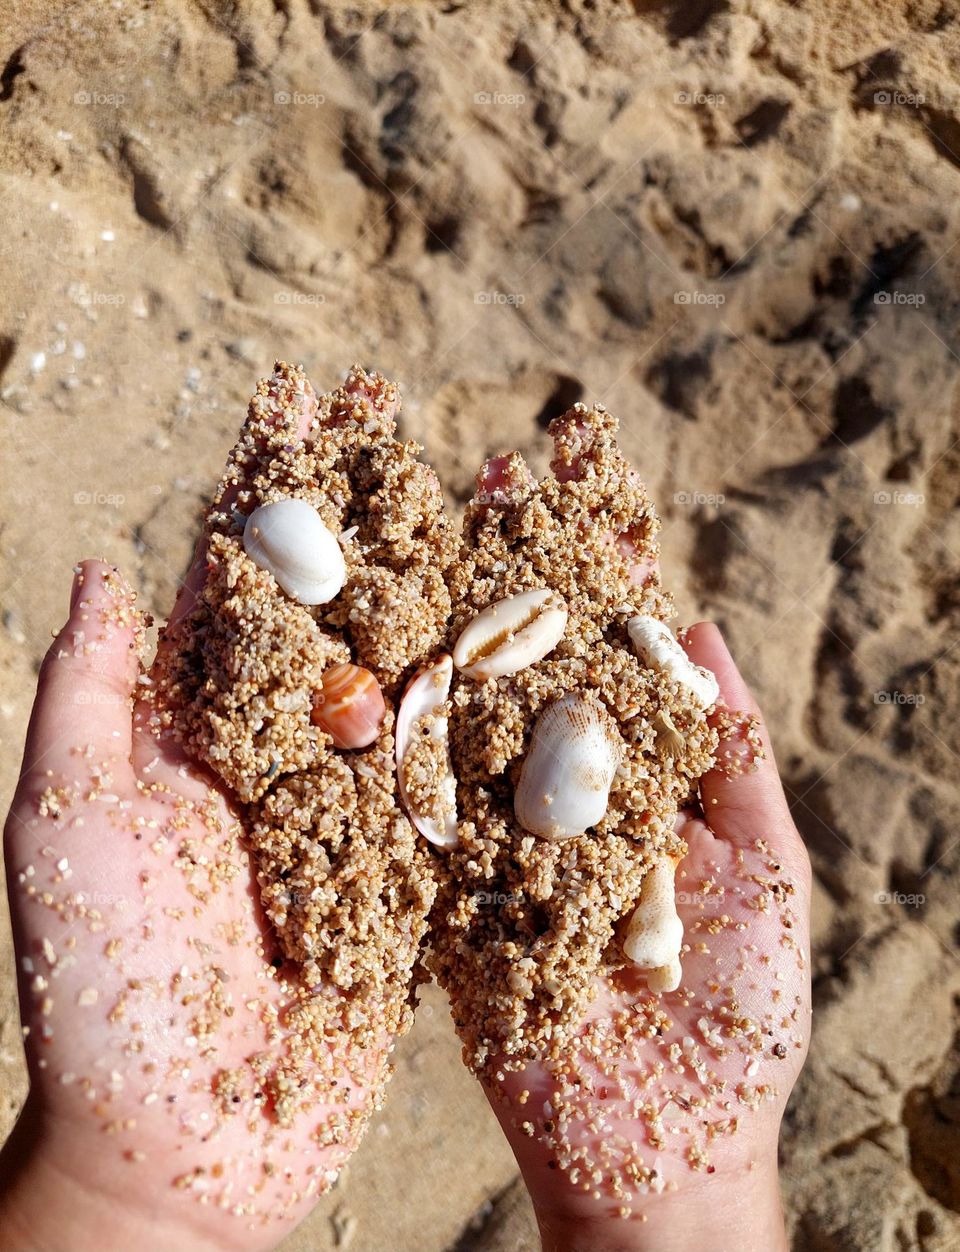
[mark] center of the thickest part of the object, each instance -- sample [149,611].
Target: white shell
[427,692]
[511,634]
[289,540]
[565,782]
[654,644]
[655,932]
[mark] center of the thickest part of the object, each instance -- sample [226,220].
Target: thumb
[740,805]
[85,690]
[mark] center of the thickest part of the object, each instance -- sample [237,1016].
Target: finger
[572,442]
[282,411]
[87,680]
[289,411]
[642,568]
[191,586]
[503,480]
[740,802]
[363,394]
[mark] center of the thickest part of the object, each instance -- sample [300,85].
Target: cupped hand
[679,1097]
[175,1099]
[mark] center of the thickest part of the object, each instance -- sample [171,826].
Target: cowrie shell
[289,540]
[511,634]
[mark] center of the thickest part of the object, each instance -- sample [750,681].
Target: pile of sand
[734,225]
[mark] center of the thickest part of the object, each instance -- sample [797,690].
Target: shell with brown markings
[349,706]
[565,782]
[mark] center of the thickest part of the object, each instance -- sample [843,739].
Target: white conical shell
[655,931]
[511,634]
[289,540]
[565,782]
[665,977]
[426,693]
[655,645]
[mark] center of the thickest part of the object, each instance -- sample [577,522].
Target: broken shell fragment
[420,718]
[669,740]
[655,645]
[565,782]
[511,634]
[655,931]
[289,540]
[349,706]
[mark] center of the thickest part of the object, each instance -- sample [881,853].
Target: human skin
[732,1205]
[92,1160]
[121,1101]
[60,1174]
[743,894]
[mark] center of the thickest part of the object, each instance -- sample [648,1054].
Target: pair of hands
[126,866]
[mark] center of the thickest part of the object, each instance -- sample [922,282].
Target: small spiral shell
[349,706]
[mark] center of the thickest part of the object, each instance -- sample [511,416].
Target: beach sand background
[736,225]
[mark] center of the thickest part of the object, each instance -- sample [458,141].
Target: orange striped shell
[349,706]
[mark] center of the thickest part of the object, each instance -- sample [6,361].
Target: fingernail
[684,635]
[76,589]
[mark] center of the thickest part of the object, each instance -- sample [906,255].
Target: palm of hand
[148,973]
[150,988]
[666,1090]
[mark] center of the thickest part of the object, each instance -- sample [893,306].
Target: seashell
[349,706]
[655,931]
[669,739]
[424,697]
[655,645]
[289,540]
[565,782]
[511,634]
